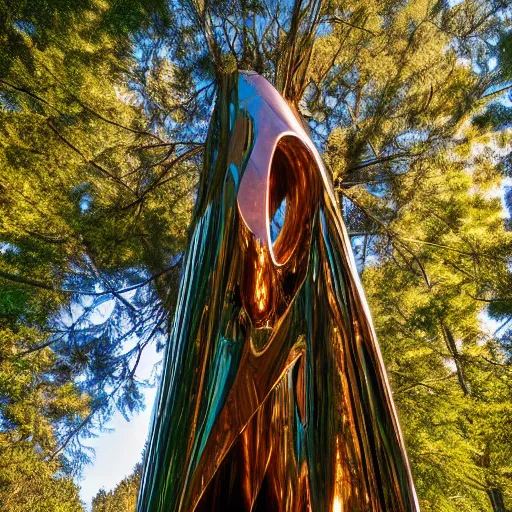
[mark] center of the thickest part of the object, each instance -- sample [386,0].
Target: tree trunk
[497,501]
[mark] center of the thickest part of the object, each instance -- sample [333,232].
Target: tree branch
[25,280]
[87,160]
[39,284]
[337,19]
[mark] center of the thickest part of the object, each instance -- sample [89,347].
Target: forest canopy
[104,110]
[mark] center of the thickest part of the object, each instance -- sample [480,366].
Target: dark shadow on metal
[274,396]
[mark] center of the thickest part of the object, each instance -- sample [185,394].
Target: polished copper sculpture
[274,396]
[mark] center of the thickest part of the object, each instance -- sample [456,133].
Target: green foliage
[123,498]
[505,55]
[84,198]
[436,267]
[28,482]
[454,399]
[35,409]
[95,204]
[419,152]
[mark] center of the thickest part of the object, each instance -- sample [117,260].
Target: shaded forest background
[104,108]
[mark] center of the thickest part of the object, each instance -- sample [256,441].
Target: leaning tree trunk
[497,500]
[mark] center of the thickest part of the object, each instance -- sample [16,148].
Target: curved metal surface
[274,395]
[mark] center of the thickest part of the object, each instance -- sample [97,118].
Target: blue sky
[118,451]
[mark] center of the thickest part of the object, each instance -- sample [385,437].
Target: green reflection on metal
[288,414]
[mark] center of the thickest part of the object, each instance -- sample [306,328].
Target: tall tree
[85,212]
[452,378]
[84,272]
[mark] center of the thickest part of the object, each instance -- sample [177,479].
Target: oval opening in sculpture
[292,195]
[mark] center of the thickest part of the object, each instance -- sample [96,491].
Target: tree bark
[497,500]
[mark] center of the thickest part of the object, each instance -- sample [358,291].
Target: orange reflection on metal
[274,395]
[261,285]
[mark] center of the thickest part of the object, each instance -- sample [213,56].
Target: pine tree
[451,379]
[86,215]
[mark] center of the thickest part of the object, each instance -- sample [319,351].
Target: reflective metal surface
[274,396]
